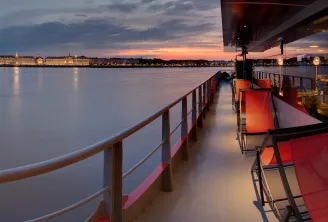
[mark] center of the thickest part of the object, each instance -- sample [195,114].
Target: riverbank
[103,66]
[124,66]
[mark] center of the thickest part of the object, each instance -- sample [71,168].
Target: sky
[168,29]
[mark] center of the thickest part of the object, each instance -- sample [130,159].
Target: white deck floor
[216,183]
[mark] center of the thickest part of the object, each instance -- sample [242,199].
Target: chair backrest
[264,83]
[259,111]
[268,157]
[282,139]
[241,84]
[310,157]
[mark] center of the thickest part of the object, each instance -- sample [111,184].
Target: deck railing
[112,149]
[298,81]
[308,89]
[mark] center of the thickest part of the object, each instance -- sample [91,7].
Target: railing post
[324,91]
[200,107]
[312,84]
[279,81]
[293,80]
[113,164]
[194,116]
[208,93]
[204,100]
[166,152]
[301,82]
[184,128]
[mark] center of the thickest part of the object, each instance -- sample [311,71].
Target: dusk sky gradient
[176,29]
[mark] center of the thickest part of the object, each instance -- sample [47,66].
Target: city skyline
[176,29]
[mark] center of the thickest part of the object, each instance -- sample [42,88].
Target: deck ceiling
[260,24]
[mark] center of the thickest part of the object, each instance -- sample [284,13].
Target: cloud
[205,5]
[146,1]
[81,15]
[93,34]
[183,6]
[160,6]
[110,27]
[121,7]
[179,9]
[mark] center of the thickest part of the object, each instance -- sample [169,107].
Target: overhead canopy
[260,25]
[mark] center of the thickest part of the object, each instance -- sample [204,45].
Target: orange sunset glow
[180,53]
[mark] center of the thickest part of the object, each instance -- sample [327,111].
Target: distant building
[116,61]
[25,61]
[7,60]
[67,61]
[81,61]
[17,60]
[99,61]
[56,61]
[123,61]
[39,60]
[131,61]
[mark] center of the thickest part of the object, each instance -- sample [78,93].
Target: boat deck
[216,183]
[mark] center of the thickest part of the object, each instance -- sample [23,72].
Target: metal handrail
[114,142]
[177,127]
[135,167]
[275,74]
[280,81]
[72,207]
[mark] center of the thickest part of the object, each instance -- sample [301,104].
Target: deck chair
[260,116]
[293,175]
[239,84]
[263,83]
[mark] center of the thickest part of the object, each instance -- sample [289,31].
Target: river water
[48,112]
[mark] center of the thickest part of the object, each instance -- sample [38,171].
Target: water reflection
[40,79]
[76,78]
[16,82]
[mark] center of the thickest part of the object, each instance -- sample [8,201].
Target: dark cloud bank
[92,34]
[102,33]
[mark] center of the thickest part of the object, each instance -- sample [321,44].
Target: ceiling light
[314,46]
[238,38]
[245,26]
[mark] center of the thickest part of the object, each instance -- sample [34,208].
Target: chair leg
[242,143]
[259,170]
[286,215]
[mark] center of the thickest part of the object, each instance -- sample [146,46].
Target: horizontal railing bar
[194,107]
[72,207]
[39,168]
[27,171]
[190,112]
[143,160]
[276,74]
[177,127]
